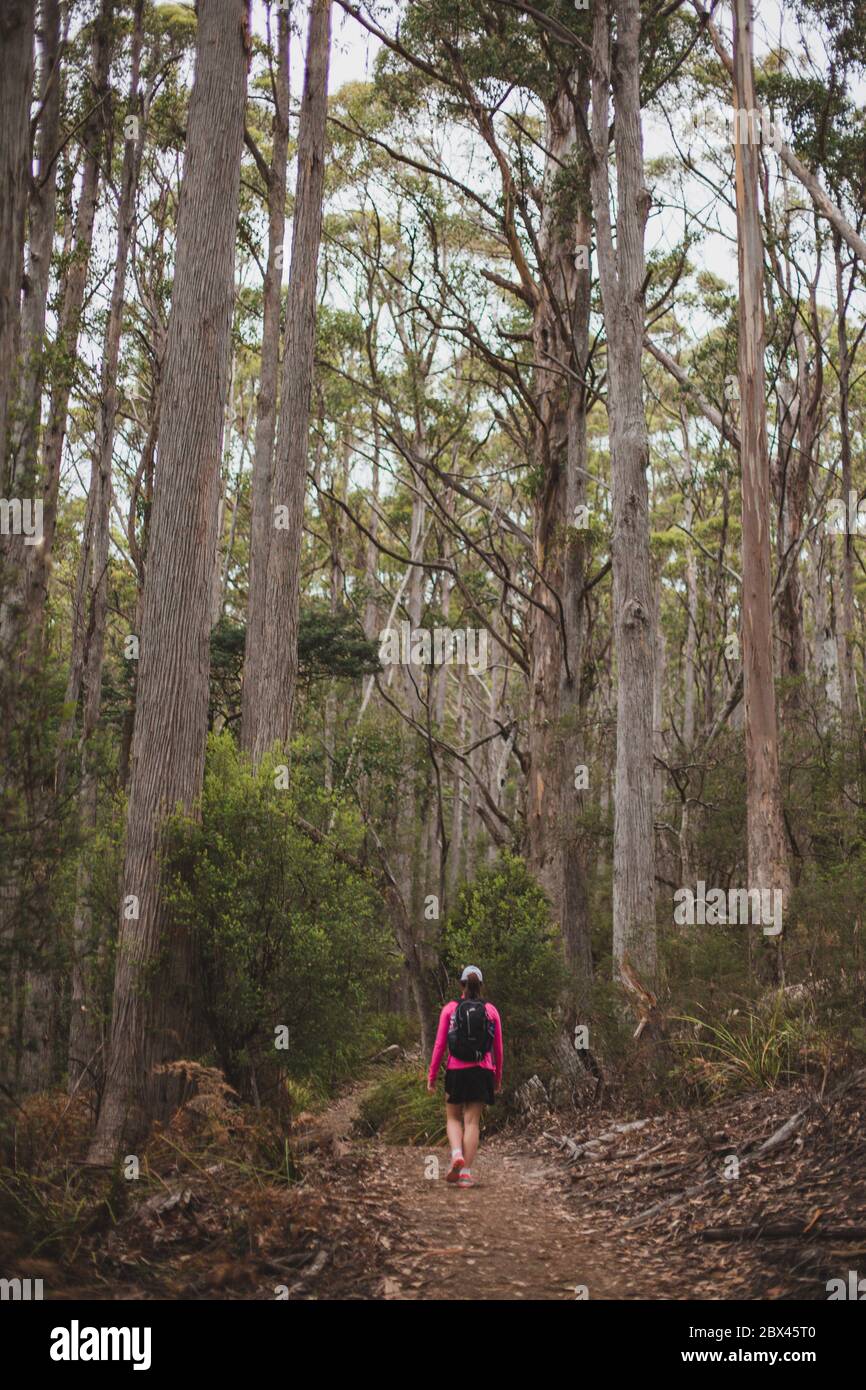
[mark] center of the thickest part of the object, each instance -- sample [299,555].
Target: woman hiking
[472,1031]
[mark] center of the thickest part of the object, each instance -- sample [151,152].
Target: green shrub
[764,1049]
[501,923]
[401,1110]
[286,933]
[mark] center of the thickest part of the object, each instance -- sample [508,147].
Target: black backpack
[471,1031]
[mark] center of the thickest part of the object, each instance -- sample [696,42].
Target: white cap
[471,970]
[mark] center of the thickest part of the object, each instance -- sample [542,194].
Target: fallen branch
[597,1147]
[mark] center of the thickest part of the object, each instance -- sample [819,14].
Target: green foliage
[755,1050]
[286,933]
[401,1110]
[330,646]
[38,835]
[177,18]
[501,922]
[50,1216]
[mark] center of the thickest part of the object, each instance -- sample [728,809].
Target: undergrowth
[400,1110]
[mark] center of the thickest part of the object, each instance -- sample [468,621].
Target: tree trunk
[455,845]
[272,664]
[88,649]
[42,214]
[41,997]
[22,471]
[261,513]
[847,678]
[152,1015]
[337,580]
[371,554]
[799,405]
[16,77]
[95,136]
[690,678]
[659,670]
[825,661]
[767,862]
[622,275]
[407,821]
[557,617]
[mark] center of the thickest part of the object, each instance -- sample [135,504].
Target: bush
[501,922]
[764,1049]
[286,934]
[401,1110]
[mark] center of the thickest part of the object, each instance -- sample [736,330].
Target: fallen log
[563,1142]
[597,1146]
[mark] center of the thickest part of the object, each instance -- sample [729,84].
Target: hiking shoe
[465,1180]
[453,1174]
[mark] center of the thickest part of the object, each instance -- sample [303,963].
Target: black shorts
[463,1084]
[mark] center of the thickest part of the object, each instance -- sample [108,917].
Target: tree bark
[272,660]
[455,846]
[557,635]
[94,139]
[825,648]
[622,276]
[88,647]
[846,672]
[41,997]
[371,554]
[261,512]
[16,77]
[690,651]
[767,861]
[42,214]
[799,404]
[151,1019]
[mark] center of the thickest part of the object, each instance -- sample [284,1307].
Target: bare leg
[471,1122]
[454,1125]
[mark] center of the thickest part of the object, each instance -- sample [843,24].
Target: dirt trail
[512,1236]
[509,1237]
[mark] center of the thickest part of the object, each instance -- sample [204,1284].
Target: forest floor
[651,1210]
[513,1236]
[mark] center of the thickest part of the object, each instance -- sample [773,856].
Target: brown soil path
[516,1235]
[510,1237]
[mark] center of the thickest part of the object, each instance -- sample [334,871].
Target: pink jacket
[492,1061]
